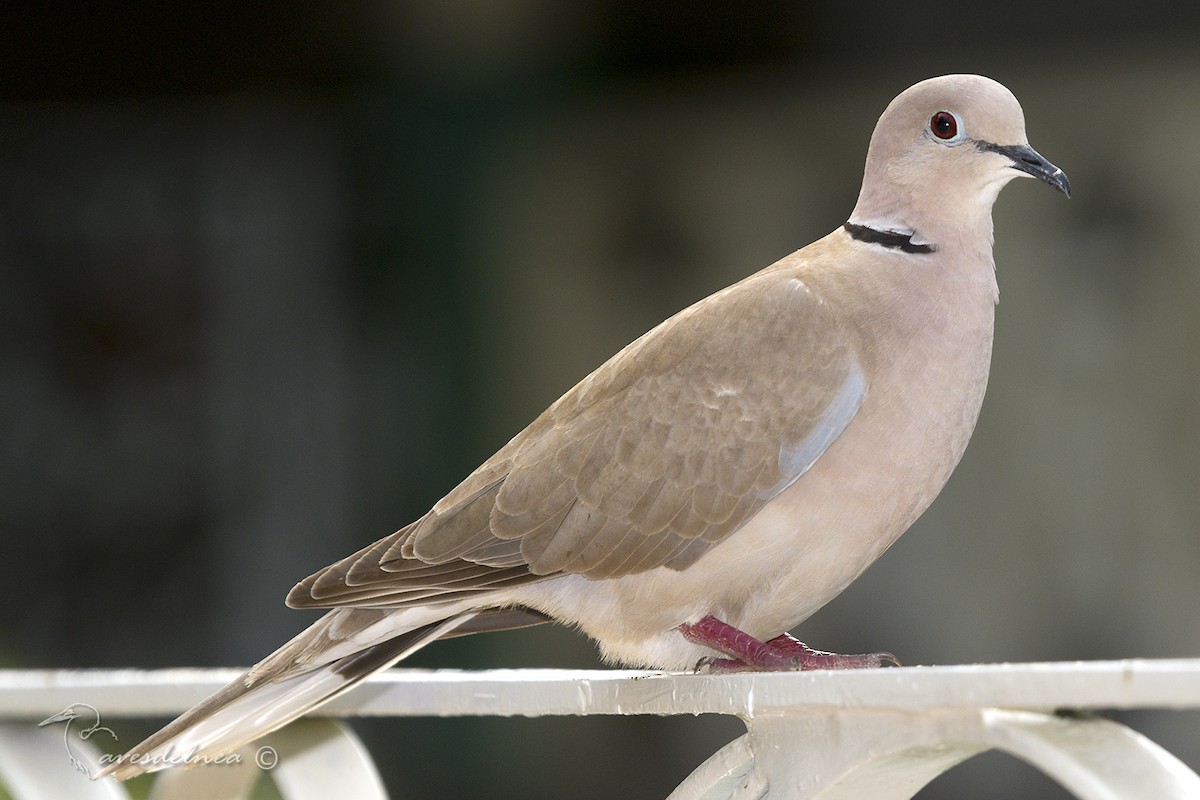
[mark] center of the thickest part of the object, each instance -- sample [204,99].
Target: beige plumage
[722,477]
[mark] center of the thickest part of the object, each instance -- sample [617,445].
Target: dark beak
[1031,162]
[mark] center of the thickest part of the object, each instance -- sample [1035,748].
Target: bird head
[941,152]
[67,714]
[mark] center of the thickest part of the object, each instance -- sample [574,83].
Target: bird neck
[967,233]
[940,213]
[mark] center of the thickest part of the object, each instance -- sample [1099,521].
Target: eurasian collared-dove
[721,478]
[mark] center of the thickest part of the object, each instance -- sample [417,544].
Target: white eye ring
[947,128]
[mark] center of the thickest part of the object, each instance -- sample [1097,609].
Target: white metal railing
[830,735]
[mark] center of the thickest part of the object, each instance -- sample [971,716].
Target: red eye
[944,125]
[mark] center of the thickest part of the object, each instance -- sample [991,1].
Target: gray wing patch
[797,458]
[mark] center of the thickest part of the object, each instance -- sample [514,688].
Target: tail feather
[332,656]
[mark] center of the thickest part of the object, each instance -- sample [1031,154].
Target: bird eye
[944,125]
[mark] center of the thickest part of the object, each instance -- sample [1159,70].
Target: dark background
[274,278]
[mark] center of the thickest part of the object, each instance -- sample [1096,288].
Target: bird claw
[783,653]
[726,666]
[806,658]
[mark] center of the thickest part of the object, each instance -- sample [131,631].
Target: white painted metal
[889,755]
[311,759]
[232,781]
[1132,683]
[727,773]
[318,759]
[35,764]
[827,735]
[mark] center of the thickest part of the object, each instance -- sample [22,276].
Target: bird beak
[1033,163]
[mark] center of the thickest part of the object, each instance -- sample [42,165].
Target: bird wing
[654,458]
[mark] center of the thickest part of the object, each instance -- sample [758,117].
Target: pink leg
[781,653]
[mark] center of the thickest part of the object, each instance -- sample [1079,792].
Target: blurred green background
[274,277]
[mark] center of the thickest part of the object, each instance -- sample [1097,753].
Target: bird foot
[784,652]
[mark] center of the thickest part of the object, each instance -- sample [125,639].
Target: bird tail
[328,658]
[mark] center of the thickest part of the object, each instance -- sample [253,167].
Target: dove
[719,479]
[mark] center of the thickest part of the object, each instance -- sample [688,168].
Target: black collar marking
[896,241]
